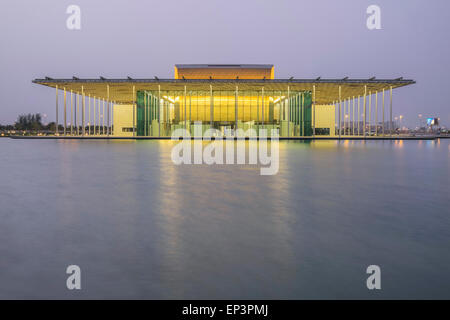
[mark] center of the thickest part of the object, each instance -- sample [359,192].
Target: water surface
[141,227]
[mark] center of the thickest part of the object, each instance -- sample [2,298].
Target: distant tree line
[29,122]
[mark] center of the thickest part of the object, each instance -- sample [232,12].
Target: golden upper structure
[224,71]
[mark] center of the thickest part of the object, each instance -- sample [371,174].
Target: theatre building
[225,97]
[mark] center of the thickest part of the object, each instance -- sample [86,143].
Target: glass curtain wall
[160,113]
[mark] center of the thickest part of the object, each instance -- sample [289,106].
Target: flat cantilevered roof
[121,90]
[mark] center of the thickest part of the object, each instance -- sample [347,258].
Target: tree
[29,122]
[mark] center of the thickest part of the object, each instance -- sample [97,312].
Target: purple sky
[303,39]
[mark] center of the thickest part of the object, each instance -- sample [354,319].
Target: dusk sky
[304,39]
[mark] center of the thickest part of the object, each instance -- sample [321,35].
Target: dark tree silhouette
[31,122]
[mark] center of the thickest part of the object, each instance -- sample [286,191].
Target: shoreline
[235,138]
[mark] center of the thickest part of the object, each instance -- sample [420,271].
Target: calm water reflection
[141,227]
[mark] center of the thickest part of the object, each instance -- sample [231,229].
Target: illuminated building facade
[225,98]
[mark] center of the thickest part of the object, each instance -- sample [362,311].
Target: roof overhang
[327,90]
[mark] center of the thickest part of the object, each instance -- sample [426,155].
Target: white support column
[95,122]
[257,113]
[302,114]
[349,117]
[185,108]
[71,112]
[236,95]
[159,110]
[134,111]
[334,109]
[65,111]
[99,116]
[383,115]
[103,116]
[89,115]
[262,104]
[339,112]
[359,114]
[146,97]
[314,110]
[376,113]
[345,115]
[288,111]
[77,102]
[56,121]
[390,112]
[100,128]
[365,113]
[83,129]
[111,124]
[370,113]
[280,110]
[211,106]
[107,111]
[349,112]
[353,115]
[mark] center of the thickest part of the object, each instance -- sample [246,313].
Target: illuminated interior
[218,109]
